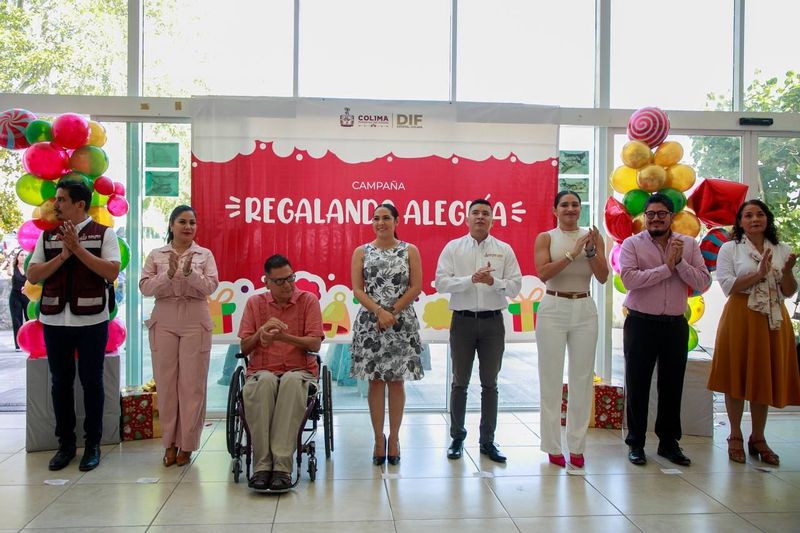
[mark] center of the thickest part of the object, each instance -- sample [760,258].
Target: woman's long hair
[174,215]
[770,232]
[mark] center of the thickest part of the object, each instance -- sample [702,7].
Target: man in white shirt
[479,272]
[74,260]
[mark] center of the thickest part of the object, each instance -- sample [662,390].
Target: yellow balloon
[680,177]
[32,291]
[623,179]
[687,223]
[638,223]
[697,306]
[668,154]
[636,154]
[101,216]
[651,178]
[97,134]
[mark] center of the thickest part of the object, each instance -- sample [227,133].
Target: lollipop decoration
[13,123]
[649,125]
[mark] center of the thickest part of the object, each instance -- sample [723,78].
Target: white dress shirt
[734,260]
[461,258]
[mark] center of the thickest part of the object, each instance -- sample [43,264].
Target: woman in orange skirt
[754,356]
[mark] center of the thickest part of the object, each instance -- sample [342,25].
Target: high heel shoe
[183,458]
[378,460]
[759,448]
[557,460]
[393,459]
[736,450]
[170,455]
[576,460]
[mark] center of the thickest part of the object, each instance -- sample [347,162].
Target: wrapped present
[607,408]
[222,307]
[523,310]
[139,414]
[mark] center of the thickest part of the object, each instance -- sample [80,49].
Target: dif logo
[408,121]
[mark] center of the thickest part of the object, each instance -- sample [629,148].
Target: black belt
[656,318]
[479,314]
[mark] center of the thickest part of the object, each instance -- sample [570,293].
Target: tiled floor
[425,493]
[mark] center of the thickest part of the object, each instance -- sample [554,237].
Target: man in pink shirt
[278,329]
[659,268]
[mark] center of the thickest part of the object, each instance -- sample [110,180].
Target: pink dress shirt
[652,288]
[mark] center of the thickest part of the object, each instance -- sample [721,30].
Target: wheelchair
[319,407]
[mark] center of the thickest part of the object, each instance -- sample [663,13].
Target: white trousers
[566,324]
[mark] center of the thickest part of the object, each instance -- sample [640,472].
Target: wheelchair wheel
[237,469]
[327,411]
[234,426]
[312,468]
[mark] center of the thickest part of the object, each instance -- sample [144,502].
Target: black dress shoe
[62,458]
[260,481]
[456,449]
[91,458]
[636,456]
[674,453]
[491,451]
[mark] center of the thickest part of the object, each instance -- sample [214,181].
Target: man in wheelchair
[278,330]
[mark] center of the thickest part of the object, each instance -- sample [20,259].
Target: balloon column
[68,148]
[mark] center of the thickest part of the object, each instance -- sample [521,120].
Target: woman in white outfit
[566,259]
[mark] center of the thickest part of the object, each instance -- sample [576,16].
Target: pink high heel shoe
[557,460]
[576,460]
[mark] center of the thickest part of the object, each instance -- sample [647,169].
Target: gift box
[139,414]
[523,310]
[608,406]
[222,307]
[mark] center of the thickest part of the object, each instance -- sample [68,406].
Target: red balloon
[45,160]
[618,222]
[104,185]
[71,130]
[117,205]
[31,339]
[116,335]
[119,188]
[715,201]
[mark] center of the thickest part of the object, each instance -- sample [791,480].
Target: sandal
[760,449]
[736,450]
[170,456]
[184,458]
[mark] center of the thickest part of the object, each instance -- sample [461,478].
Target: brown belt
[570,295]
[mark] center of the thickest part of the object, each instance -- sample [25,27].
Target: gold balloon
[638,223]
[680,177]
[623,179]
[668,154]
[97,134]
[101,216]
[32,291]
[686,223]
[697,306]
[47,212]
[651,178]
[636,154]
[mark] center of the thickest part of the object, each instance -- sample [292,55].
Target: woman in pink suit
[181,275]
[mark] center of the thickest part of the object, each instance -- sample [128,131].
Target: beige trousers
[274,407]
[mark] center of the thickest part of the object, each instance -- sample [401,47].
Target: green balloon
[33,190]
[124,252]
[113,314]
[688,313]
[677,197]
[99,200]
[39,131]
[33,309]
[634,201]
[77,176]
[693,339]
[89,160]
[27,261]
[618,284]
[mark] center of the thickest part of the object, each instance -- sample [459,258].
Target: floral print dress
[394,354]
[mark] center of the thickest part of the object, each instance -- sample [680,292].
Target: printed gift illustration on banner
[336,317]
[523,310]
[222,307]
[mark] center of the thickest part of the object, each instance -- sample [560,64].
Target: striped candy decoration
[649,125]
[12,128]
[710,245]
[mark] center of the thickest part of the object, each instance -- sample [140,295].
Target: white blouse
[734,260]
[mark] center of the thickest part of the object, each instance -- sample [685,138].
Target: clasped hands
[173,264]
[674,252]
[587,243]
[68,236]
[270,331]
[484,275]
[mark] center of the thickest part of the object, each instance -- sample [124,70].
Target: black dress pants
[648,343]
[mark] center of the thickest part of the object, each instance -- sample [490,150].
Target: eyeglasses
[653,214]
[281,281]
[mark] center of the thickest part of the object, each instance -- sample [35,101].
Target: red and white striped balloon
[649,125]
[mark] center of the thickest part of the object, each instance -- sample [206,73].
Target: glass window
[779,172]
[362,49]
[64,47]
[526,52]
[770,52]
[671,55]
[241,48]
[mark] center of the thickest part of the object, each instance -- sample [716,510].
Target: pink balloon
[116,335]
[119,188]
[71,130]
[31,339]
[104,185]
[613,257]
[27,235]
[117,205]
[45,160]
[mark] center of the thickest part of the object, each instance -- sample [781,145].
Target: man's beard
[658,232]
